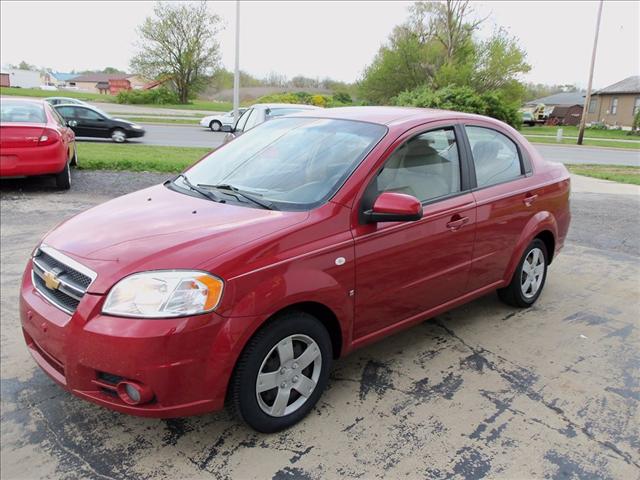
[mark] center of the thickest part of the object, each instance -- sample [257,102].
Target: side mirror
[226,128]
[394,207]
[72,123]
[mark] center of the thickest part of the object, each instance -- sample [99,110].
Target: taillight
[48,137]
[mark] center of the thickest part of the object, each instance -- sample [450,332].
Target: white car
[215,122]
[260,113]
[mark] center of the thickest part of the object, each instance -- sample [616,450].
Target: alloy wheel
[532,273]
[288,375]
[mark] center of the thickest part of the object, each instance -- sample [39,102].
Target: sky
[324,39]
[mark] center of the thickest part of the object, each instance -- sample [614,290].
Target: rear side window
[426,167]
[495,156]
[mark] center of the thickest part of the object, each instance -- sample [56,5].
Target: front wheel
[528,279]
[119,135]
[215,126]
[282,372]
[63,179]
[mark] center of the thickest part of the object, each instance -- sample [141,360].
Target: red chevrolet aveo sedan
[35,140]
[243,278]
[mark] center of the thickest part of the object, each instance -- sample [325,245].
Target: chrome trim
[70,262]
[67,287]
[46,297]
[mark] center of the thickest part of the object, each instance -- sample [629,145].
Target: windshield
[21,112]
[294,163]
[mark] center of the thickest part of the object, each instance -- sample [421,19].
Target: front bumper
[135,132]
[186,362]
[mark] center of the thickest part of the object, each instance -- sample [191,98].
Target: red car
[35,140]
[304,239]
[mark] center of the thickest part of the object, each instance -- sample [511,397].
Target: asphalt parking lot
[484,390]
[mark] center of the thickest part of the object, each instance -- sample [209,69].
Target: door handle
[457,222]
[530,198]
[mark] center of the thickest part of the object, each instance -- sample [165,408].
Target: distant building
[109,83]
[616,104]
[565,115]
[59,79]
[4,79]
[22,78]
[563,99]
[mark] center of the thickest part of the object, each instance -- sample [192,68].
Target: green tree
[179,42]
[25,66]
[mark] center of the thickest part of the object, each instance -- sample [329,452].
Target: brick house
[616,104]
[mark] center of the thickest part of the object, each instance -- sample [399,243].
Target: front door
[91,123]
[405,269]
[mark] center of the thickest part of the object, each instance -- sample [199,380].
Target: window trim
[369,195]
[526,169]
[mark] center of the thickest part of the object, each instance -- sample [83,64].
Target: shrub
[462,99]
[342,97]
[158,96]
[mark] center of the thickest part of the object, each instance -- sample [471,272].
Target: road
[481,391]
[196,136]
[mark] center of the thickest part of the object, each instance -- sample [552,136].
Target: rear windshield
[21,112]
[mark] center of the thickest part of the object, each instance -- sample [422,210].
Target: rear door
[404,269]
[504,199]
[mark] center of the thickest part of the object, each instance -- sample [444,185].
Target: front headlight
[137,127]
[164,293]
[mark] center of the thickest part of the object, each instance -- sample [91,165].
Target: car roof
[301,106]
[388,115]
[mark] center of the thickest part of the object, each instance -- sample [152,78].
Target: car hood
[158,228]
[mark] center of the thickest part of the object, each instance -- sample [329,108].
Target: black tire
[513,294]
[242,391]
[215,126]
[63,179]
[74,159]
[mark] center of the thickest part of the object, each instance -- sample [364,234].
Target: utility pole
[587,100]
[236,73]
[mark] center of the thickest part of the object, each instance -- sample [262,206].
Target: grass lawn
[182,121]
[617,173]
[587,143]
[137,158]
[96,97]
[36,92]
[570,131]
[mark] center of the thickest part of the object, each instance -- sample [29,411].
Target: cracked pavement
[483,390]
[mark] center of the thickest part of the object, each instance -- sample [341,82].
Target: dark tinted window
[426,167]
[495,156]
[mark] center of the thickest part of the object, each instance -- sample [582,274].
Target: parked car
[215,122]
[244,277]
[88,121]
[65,100]
[260,113]
[527,118]
[35,140]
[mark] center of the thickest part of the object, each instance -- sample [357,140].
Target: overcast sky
[320,39]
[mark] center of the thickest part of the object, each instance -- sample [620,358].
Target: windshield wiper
[205,193]
[243,194]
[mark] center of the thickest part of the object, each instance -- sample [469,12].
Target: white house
[23,78]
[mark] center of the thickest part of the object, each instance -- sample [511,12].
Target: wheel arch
[543,226]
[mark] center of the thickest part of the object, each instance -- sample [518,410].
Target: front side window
[87,114]
[253,120]
[426,167]
[294,163]
[614,105]
[243,120]
[495,156]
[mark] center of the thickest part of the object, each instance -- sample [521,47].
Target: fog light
[134,393]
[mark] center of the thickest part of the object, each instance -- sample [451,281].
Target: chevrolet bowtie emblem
[51,280]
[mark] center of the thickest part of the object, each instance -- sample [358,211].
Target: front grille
[67,279]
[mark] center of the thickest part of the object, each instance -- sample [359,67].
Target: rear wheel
[118,135]
[528,280]
[282,372]
[63,179]
[74,159]
[215,126]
